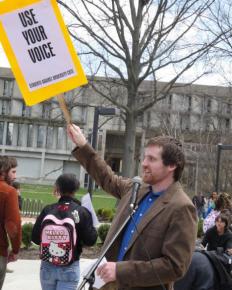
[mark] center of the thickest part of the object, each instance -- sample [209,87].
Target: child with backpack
[61,230]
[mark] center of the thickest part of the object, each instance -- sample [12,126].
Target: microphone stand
[89,277]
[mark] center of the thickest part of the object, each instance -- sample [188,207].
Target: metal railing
[31,207]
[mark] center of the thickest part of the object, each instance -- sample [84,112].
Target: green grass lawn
[44,193]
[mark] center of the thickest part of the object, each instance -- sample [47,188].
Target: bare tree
[200,137]
[128,41]
[220,24]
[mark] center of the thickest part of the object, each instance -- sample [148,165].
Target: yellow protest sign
[39,49]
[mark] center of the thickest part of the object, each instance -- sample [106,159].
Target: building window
[69,144]
[8,86]
[207,124]
[148,119]
[9,134]
[115,164]
[90,137]
[166,119]
[228,109]
[227,123]
[30,136]
[46,110]
[5,107]
[1,132]
[20,135]
[209,106]
[99,142]
[60,137]
[41,135]
[184,122]
[140,118]
[169,101]
[189,103]
[49,138]
[86,180]
[26,111]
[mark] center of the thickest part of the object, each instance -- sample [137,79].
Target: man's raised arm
[76,135]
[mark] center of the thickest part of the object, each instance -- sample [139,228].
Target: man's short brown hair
[6,164]
[172,153]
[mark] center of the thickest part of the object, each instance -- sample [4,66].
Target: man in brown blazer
[156,247]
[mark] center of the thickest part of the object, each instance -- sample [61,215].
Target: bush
[103,231]
[200,228]
[105,214]
[99,212]
[26,234]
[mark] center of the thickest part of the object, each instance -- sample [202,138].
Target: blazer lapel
[124,212]
[157,207]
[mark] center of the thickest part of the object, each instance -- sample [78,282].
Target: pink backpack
[58,240]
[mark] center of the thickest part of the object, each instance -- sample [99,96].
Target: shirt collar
[155,194]
[68,198]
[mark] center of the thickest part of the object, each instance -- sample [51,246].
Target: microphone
[136,186]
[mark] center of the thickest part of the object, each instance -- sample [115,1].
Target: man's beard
[8,180]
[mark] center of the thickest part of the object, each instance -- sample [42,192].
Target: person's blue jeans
[3,263]
[59,277]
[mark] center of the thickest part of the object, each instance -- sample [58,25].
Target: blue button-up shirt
[143,207]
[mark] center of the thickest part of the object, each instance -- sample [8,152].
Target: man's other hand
[107,272]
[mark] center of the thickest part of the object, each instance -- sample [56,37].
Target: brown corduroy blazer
[160,252]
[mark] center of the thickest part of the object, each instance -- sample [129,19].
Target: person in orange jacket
[10,221]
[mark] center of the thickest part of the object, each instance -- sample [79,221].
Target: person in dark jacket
[199,202]
[218,236]
[65,277]
[201,274]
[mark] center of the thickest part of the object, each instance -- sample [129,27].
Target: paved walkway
[26,274]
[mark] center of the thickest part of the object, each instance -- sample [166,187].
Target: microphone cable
[145,249]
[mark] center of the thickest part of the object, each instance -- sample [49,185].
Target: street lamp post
[103,112]
[220,147]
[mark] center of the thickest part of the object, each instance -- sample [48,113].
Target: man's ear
[172,167]
[56,191]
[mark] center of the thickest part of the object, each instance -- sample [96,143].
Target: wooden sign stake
[64,108]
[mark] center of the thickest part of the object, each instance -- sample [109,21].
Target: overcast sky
[165,74]
[3,59]
[211,79]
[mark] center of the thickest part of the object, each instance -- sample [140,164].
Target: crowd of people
[156,247]
[211,268]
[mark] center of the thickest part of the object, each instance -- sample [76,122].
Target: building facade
[36,135]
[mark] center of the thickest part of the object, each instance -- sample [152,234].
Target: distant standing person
[16,185]
[211,203]
[222,203]
[213,199]
[199,202]
[61,230]
[10,223]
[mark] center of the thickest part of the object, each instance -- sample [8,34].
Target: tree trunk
[129,146]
